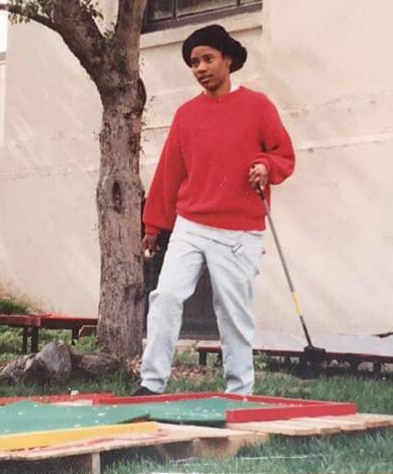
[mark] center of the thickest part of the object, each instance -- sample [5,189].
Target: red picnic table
[33,323]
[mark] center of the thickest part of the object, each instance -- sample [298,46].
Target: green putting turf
[23,417]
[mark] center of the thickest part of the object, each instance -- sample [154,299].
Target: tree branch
[111,63]
[80,32]
[75,24]
[18,10]
[129,25]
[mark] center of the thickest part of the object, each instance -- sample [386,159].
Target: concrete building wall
[326,64]
[49,244]
[323,63]
[2,96]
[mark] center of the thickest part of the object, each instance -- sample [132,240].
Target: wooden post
[90,463]
[25,335]
[34,339]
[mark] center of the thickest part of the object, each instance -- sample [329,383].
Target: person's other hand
[149,246]
[258,176]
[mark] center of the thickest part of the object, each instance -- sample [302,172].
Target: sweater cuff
[262,159]
[151,230]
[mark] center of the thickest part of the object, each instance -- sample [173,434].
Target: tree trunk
[119,197]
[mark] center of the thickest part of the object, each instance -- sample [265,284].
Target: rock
[52,364]
[55,358]
[93,366]
[36,372]
[57,363]
[13,372]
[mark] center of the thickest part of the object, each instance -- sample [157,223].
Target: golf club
[314,355]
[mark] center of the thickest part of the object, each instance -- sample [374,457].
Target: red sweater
[202,174]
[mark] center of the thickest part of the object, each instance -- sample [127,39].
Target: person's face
[211,69]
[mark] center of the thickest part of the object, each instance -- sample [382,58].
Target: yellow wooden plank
[171,440]
[54,437]
[96,444]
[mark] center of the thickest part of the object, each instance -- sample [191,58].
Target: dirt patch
[180,370]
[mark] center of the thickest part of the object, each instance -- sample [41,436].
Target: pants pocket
[250,252]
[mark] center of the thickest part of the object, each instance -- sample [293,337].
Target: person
[222,146]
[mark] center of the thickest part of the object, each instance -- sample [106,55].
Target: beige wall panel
[49,245]
[2,100]
[152,142]
[49,101]
[323,63]
[319,51]
[338,243]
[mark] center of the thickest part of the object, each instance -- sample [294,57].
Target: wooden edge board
[282,427]
[200,431]
[335,421]
[56,398]
[38,439]
[371,420]
[289,411]
[97,445]
[217,442]
[203,442]
[323,429]
[307,426]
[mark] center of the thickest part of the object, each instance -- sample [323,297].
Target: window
[161,14]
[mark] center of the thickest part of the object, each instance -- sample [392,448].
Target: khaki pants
[232,259]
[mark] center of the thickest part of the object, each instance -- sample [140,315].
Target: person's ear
[228,60]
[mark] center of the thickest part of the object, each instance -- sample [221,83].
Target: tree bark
[119,198]
[119,190]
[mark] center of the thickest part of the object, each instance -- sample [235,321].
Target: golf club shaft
[294,295]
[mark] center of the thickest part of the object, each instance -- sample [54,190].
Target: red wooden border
[166,397]
[289,407]
[287,412]
[55,398]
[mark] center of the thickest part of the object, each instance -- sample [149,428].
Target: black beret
[218,38]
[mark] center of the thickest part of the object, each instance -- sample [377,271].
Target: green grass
[369,452]
[370,394]
[9,306]
[363,453]
[11,339]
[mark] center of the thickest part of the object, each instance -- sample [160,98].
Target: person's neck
[225,89]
